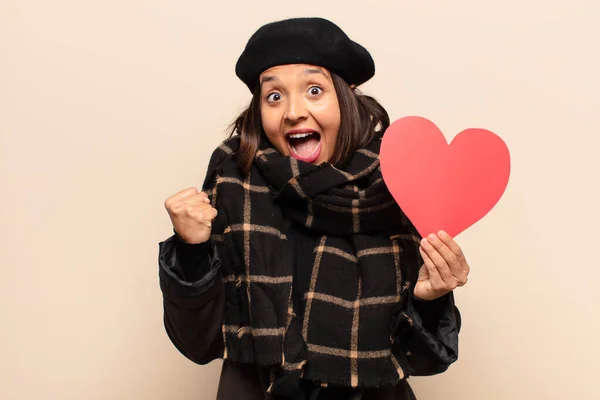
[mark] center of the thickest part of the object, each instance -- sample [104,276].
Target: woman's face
[300,111]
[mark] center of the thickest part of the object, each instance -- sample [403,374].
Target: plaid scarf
[360,258]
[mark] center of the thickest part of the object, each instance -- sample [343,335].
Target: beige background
[108,107]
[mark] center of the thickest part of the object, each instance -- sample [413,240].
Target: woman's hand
[191,215]
[445,267]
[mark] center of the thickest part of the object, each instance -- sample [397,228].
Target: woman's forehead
[299,69]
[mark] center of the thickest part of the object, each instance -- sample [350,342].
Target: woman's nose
[296,109]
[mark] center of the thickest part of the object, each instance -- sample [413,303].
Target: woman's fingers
[445,265]
[179,196]
[210,213]
[440,263]
[434,276]
[200,197]
[450,258]
[181,201]
[454,254]
[202,212]
[452,245]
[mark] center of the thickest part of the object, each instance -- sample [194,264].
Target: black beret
[315,41]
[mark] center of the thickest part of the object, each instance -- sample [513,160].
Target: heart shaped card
[440,185]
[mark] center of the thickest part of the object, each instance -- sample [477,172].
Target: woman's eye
[274,97]
[315,90]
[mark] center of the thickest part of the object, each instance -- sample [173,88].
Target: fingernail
[443,234]
[432,237]
[424,242]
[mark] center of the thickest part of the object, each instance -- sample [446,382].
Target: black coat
[194,303]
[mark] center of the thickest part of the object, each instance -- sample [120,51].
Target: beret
[315,41]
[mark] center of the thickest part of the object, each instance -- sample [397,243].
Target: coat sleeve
[193,298]
[427,331]
[432,339]
[191,283]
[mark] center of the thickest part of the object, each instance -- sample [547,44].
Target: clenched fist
[191,215]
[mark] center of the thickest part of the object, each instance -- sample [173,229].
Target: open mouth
[305,146]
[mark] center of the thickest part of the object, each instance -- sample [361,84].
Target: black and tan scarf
[317,262]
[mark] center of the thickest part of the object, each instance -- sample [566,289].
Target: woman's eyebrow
[309,71]
[268,78]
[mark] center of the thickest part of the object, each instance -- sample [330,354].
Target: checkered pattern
[363,254]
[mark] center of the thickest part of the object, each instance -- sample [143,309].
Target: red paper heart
[441,186]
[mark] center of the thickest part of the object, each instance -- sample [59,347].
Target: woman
[294,264]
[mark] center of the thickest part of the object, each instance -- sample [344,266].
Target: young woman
[294,264]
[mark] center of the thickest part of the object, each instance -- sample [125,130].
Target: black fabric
[194,258]
[179,263]
[194,326]
[303,266]
[248,382]
[358,249]
[315,41]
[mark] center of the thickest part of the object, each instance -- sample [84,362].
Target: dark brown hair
[361,118]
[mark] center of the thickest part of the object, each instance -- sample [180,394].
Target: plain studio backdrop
[109,107]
